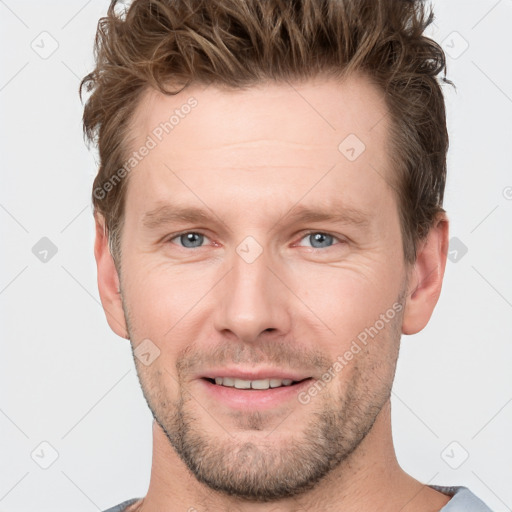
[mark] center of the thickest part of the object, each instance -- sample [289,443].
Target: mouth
[261,394]
[258,384]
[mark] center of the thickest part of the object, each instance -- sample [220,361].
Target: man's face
[256,289]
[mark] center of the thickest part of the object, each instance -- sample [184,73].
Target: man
[269,221]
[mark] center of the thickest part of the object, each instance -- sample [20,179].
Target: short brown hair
[239,43]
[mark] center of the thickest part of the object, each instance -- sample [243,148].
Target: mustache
[268,352]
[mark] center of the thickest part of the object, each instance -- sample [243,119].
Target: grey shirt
[463,500]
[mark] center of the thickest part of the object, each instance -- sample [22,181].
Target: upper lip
[262,373]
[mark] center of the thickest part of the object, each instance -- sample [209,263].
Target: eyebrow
[168,214]
[338,213]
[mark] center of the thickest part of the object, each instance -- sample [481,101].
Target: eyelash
[306,234]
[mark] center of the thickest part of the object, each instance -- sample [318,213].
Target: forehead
[266,139]
[326,106]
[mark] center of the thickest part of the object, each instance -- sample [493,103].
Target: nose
[251,300]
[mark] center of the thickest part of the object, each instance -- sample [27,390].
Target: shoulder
[126,506]
[462,500]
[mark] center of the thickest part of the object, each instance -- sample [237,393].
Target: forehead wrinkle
[250,143]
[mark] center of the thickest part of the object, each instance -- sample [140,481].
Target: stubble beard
[263,470]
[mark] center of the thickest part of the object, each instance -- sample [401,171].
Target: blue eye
[320,240]
[190,240]
[317,240]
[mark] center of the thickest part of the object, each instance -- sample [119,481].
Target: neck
[369,479]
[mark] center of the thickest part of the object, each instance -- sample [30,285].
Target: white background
[66,379]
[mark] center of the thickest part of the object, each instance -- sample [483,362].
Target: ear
[426,277]
[108,280]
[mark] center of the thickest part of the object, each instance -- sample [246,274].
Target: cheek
[162,297]
[347,299]
[367,362]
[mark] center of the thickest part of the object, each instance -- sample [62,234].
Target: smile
[252,384]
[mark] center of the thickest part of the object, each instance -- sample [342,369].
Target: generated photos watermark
[369,333]
[152,140]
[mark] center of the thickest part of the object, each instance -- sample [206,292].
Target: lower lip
[248,399]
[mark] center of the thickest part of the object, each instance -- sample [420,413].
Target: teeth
[252,384]
[274,383]
[242,384]
[260,384]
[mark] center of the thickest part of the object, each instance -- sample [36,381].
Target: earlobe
[426,277]
[108,280]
